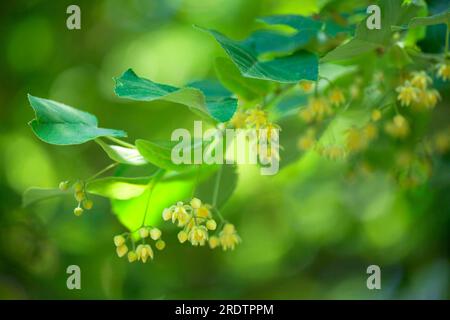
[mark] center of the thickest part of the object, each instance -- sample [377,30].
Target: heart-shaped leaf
[57,123]
[130,86]
[130,156]
[288,69]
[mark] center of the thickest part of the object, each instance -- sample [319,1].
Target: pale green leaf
[130,156]
[120,188]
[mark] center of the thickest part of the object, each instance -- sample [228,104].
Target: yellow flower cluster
[144,250]
[359,138]
[194,218]
[320,107]
[79,194]
[444,71]
[197,222]
[416,92]
[398,127]
[258,119]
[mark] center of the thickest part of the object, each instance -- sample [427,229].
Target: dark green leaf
[57,123]
[293,68]
[219,101]
[231,78]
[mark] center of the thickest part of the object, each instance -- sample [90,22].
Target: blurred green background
[307,232]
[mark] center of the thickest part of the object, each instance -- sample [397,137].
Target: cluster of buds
[80,195]
[416,92]
[196,221]
[144,250]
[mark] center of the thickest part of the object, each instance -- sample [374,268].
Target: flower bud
[214,242]
[167,214]
[78,211]
[122,250]
[182,236]
[160,244]
[155,233]
[78,186]
[64,185]
[79,196]
[196,203]
[88,204]
[143,232]
[119,240]
[132,256]
[211,224]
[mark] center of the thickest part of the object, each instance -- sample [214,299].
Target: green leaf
[263,41]
[353,48]
[393,13]
[123,155]
[219,101]
[159,153]
[443,17]
[288,69]
[33,195]
[231,78]
[120,188]
[130,86]
[57,123]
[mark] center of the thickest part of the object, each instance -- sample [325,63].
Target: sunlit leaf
[120,188]
[57,123]
[123,155]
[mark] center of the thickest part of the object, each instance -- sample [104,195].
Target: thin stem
[113,165]
[196,182]
[151,186]
[122,143]
[447,34]
[216,187]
